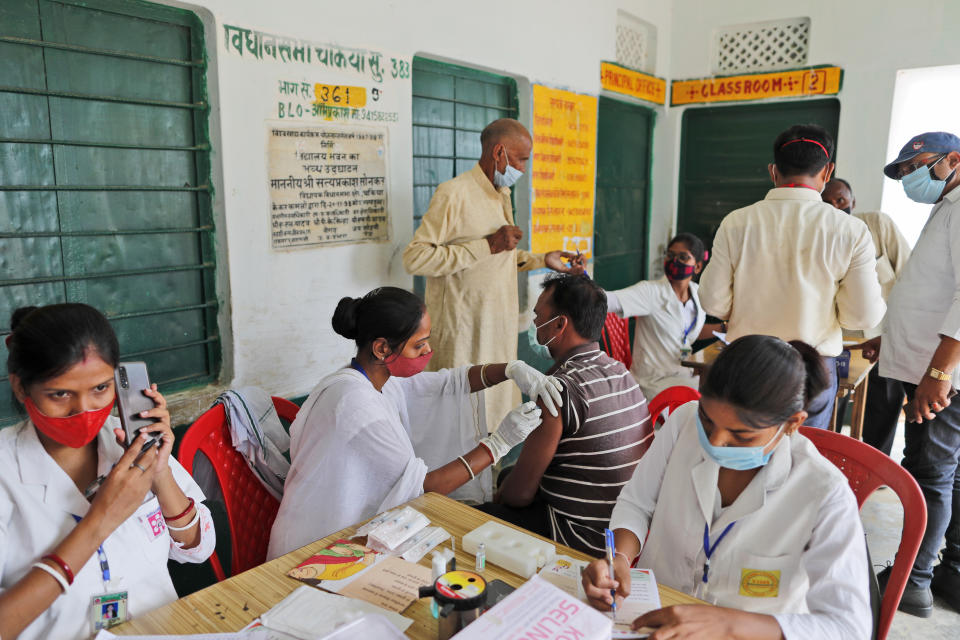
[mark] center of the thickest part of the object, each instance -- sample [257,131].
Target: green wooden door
[725,152]
[104,177]
[624,137]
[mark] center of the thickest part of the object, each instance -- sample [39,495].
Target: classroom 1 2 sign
[796,83]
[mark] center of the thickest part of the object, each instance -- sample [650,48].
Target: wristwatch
[936,374]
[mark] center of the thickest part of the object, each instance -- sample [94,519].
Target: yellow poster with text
[564,170]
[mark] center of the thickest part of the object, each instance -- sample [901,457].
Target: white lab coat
[351,450]
[37,499]
[659,334]
[797,527]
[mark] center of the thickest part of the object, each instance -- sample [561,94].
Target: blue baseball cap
[930,142]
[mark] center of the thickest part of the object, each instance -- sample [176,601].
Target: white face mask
[509,176]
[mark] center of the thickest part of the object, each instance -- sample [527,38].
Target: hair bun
[345,317]
[18,315]
[818,379]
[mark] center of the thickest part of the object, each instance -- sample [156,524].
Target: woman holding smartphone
[64,558]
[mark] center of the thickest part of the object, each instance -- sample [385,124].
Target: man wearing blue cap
[921,347]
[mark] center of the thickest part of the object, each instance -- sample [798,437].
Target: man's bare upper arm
[520,487]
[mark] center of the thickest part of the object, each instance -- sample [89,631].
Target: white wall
[281,301]
[925,99]
[869,39]
[276,326]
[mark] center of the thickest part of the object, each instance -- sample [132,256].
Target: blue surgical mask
[509,176]
[921,186]
[535,346]
[738,458]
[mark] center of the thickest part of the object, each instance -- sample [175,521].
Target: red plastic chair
[671,398]
[866,469]
[615,339]
[251,509]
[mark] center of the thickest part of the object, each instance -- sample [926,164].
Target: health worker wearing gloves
[669,317]
[350,446]
[731,505]
[69,564]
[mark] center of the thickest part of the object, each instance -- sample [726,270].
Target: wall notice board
[564,170]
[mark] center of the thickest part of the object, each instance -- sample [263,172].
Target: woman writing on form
[738,509]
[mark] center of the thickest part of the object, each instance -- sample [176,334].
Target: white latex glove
[536,385]
[513,430]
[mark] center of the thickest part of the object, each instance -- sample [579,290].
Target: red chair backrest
[615,339]
[251,509]
[866,469]
[671,398]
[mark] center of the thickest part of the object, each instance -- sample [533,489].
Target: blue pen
[611,552]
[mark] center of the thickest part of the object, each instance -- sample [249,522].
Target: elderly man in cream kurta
[466,247]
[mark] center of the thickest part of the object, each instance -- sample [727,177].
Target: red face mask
[676,270]
[405,367]
[73,431]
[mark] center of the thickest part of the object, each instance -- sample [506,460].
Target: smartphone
[131,379]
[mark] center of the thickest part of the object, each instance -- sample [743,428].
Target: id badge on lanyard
[109,608]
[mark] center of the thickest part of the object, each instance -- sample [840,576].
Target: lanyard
[102,557]
[683,340]
[356,365]
[798,185]
[708,550]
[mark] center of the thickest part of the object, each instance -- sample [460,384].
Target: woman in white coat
[350,446]
[69,564]
[669,317]
[738,509]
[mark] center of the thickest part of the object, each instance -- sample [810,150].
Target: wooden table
[855,383]
[232,604]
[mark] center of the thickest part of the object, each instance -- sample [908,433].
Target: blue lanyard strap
[101,557]
[356,365]
[708,550]
[690,328]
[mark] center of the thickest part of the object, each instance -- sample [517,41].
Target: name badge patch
[756,583]
[156,526]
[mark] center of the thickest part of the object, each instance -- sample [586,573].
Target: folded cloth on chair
[258,434]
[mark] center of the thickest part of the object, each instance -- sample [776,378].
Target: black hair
[580,299]
[46,341]
[694,245]
[843,182]
[386,312]
[765,379]
[800,150]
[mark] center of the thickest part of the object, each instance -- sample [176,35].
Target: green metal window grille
[451,106]
[105,193]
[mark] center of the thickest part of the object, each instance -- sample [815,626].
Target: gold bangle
[483,376]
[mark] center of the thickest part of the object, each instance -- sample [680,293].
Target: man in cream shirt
[466,246]
[884,395]
[793,266]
